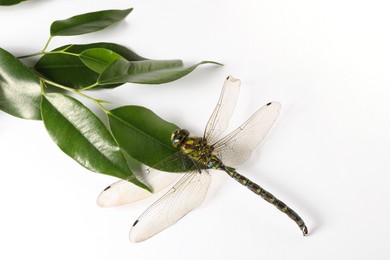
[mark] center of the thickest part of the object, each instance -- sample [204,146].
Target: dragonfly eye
[178,136]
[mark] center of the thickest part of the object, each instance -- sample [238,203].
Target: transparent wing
[124,191]
[187,194]
[238,146]
[223,111]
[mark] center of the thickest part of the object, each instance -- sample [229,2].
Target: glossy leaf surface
[82,136]
[146,71]
[88,22]
[144,136]
[97,59]
[71,71]
[20,92]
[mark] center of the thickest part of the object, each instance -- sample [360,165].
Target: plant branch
[78,92]
[47,44]
[89,87]
[37,53]
[30,55]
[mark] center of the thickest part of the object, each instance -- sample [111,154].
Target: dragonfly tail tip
[304,231]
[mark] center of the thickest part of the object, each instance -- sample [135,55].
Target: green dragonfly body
[201,153]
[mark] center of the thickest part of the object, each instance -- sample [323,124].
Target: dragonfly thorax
[196,148]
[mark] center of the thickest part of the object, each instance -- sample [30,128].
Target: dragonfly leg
[280,205]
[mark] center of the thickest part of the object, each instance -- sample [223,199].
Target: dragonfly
[200,155]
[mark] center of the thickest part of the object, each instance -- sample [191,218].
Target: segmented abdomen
[280,205]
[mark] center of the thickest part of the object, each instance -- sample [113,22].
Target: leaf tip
[212,62]
[129,10]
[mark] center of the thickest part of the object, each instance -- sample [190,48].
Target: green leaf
[88,22]
[20,92]
[70,71]
[119,49]
[82,136]
[144,136]
[120,71]
[97,59]
[10,2]
[146,71]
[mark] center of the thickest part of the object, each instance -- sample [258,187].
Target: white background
[327,156]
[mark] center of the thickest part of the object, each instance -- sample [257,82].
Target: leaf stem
[90,86]
[30,55]
[37,53]
[78,92]
[41,84]
[96,101]
[44,52]
[47,44]
[61,52]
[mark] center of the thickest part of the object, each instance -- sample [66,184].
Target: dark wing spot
[269,103]
[228,77]
[107,188]
[135,223]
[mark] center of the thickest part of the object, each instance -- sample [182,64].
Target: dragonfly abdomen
[267,196]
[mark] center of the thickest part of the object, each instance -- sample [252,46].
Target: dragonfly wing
[238,146]
[187,194]
[223,111]
[124,192]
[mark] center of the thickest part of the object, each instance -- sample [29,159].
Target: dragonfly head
[179,136]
